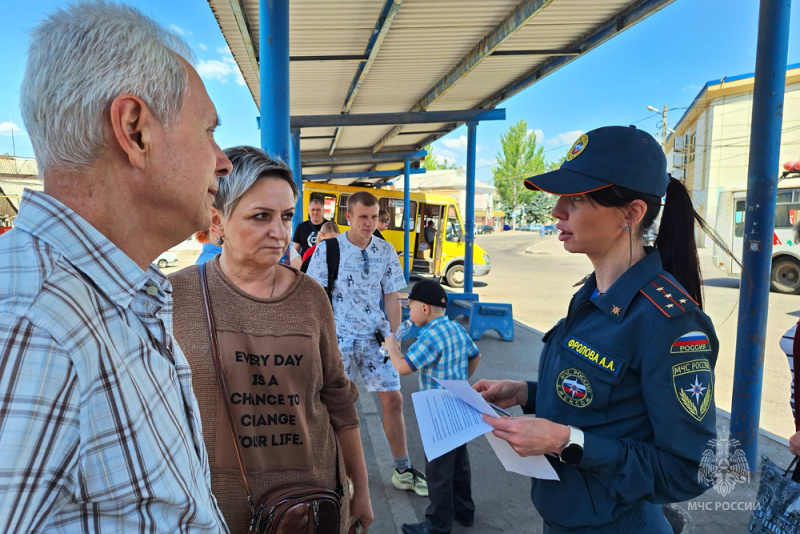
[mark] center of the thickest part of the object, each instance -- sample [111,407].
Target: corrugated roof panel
[315,144]
[493,74]
[319,88]
[11,191]
[426,41]
[22,167]
[360,136]
[331,28]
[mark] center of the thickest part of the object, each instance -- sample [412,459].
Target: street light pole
[663,124]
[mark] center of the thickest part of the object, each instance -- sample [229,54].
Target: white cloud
[221,70]
[203,47]
[444,157]
[455,144]
[564,139]
[445,160]
[539,134]
[224,50]
[7,127]
[178,30]
[483,162]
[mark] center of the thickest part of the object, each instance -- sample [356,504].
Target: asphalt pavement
[502,498]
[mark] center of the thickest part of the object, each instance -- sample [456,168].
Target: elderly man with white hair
[99,427]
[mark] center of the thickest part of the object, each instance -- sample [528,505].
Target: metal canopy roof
[382,56]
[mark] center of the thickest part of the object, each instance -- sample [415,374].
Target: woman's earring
[220,241]
[627,229]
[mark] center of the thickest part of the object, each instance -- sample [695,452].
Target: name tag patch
[574,388]
[695,341]
[595,357]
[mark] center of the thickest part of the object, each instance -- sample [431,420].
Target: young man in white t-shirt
[369,272]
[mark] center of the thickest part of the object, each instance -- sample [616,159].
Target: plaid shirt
[99,427]
[442,350]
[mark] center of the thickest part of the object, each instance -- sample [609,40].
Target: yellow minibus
[446,260]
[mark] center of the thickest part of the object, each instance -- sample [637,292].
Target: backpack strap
[332,257]
[305,264]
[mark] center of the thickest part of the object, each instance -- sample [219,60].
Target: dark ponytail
[676,240]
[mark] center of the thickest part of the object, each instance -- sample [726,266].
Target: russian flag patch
[695,341]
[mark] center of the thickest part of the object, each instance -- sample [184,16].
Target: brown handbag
[291,509]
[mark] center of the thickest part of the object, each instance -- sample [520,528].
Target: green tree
[519,158]
[539,208]
[432,164]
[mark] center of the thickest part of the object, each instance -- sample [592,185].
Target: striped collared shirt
[99,427]
[442,350]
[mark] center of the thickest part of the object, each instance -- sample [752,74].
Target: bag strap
[793,469]
[212,329]
[796,377]
[212,333]
[332,258]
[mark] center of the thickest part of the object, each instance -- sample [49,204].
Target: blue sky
[664,60]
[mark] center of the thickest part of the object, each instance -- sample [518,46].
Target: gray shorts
[361,356]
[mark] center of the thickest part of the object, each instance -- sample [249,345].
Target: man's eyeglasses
[366,261]
[385,221]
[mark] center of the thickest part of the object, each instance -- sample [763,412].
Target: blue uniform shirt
[632,368]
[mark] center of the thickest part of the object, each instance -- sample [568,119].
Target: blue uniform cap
[612,155]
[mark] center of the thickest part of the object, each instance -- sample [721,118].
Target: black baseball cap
[612,155]
[429,292]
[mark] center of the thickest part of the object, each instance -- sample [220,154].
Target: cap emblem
[578,147]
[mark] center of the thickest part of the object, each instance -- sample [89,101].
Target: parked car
[165,258]
[550,229]
[485,229]
[506,227]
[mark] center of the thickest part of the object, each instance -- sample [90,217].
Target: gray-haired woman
[289,396]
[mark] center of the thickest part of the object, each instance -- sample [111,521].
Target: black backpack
[332,258]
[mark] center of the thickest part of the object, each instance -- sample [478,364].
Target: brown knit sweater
[286,383]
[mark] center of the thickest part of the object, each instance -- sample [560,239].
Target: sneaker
[412,480]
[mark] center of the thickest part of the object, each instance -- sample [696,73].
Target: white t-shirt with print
[360,286]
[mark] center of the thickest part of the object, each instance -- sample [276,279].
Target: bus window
[395,208]
[341,220]
[453,231]
[788,205]
[328,204]
[738,219]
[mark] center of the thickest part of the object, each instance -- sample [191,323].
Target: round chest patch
[574,388]
[578,147]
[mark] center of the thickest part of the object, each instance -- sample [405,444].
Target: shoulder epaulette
[668,296]
[582,281]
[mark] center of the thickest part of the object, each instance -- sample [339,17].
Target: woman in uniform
[624,400]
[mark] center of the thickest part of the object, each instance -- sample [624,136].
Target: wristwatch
[572,453]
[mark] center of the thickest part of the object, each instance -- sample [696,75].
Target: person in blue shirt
[624,400]
[443,350]
[209,249]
